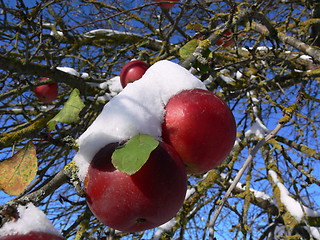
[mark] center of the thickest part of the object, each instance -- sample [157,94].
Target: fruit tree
[215,137]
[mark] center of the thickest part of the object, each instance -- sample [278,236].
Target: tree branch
[8,62]
[303,47]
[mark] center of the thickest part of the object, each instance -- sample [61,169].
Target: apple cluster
[201,146]
[197,133]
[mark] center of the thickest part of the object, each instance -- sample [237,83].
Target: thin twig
[238,176]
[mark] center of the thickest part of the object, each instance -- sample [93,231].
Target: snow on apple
[31,219]
[139,108]
[153,194]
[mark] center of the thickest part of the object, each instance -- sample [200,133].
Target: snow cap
[31,219]
[137,109]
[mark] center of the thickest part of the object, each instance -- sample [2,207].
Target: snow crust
[113,85]
[31,219]
[315,232]
[110,32]
[306,57]
[257,129]
[166,227]
[256,193]
[70,71]
[138,108]
[296,209]
[57,34]
[238,75]
[227,79]
[189,192]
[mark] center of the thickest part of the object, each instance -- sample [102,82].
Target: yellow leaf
[18,171]
[194,26]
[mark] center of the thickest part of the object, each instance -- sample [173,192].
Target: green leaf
[130,157]
[18,171]
[70,111]
[188,48]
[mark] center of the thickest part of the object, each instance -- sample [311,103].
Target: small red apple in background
[137,202]
[33,236]
[47,92]
[200,127]
[225,41]
[166,5]
[132,71]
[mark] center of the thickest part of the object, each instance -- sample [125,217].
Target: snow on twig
[257,194]
[238,176]
[164,228]
[296,209]
[258,129]
[70,71]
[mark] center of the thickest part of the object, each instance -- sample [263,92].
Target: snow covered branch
[10,63]
[111,37]
[303,47]
[295,211]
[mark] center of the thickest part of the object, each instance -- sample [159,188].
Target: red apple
[167,5]
[33,236]
[137,202]
[132,71]
[225,41]
[47,92]
[200,127]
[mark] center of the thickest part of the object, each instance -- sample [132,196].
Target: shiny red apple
[47,92]
[132,71]
[165,3]
[137,202]
[225,41]
[33,236]
[200,127]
